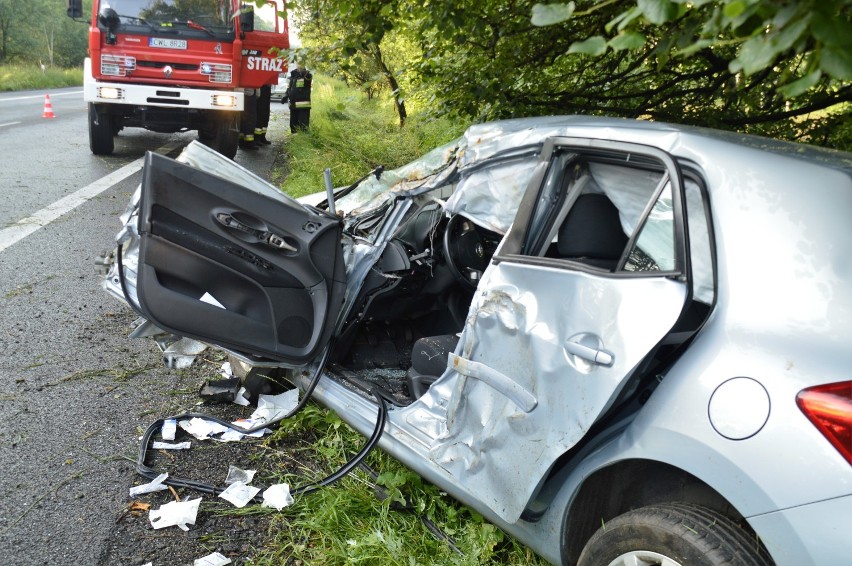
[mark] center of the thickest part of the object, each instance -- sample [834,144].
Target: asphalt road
[75,391]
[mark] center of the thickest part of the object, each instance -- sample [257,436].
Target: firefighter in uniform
[263,103]
[248,120]
[299,95]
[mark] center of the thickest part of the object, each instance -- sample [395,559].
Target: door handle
[264,236]
[594,355]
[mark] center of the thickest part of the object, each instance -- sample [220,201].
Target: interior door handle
[264,236]
[594,355]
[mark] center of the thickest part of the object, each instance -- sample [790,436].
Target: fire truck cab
[178,65]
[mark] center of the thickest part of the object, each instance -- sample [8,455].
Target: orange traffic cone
[48,108]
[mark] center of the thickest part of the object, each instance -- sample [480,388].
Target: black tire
[226,135]
[688,535]
[100,132]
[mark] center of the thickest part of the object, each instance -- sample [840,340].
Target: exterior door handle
[594,355]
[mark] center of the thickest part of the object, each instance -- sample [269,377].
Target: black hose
[148,472]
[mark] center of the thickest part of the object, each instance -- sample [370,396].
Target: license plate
[167,43]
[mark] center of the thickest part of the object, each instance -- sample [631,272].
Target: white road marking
[26,226]
[41,96]
[9,124]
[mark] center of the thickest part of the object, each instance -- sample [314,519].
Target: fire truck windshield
[182,17]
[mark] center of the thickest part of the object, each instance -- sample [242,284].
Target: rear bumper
[158,95]
[815,534]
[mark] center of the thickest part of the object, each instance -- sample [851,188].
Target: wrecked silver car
[622,342]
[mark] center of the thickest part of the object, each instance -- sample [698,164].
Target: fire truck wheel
[226,136]
[100,132]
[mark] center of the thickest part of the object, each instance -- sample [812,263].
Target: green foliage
[352,134]
[759,66]
[27,77]
[390,516]
[39,31]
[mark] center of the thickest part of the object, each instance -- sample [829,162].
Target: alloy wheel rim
[643,558]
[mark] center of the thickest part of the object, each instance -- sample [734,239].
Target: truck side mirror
[75,8]
[247,18]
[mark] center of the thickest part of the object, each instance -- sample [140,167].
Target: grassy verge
[352,135]
[29,77]
[384,515]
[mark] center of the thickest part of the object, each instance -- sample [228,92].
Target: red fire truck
[178,65]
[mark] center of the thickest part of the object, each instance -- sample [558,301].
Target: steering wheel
[467,249]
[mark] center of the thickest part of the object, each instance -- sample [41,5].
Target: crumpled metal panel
[518,325]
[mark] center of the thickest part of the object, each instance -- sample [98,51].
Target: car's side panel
[526,324]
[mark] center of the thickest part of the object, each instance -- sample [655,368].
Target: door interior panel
[270,271]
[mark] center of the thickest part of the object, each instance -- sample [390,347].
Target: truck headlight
[224,100]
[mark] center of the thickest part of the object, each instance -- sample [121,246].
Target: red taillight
[829,407]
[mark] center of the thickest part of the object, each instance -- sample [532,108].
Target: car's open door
[249,270]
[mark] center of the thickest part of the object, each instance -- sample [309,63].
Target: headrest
[592,230]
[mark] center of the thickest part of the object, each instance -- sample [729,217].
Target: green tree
[360,41]
[761,66]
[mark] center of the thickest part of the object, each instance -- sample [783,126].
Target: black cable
[353,462]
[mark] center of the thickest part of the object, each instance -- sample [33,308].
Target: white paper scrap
[238,493]
[240,399]
[155,484]
[175,513]
[271,407]
[237,474]
[172,446]
[226,371]
[277,496]
[169,429]
[201,428]
[214,559]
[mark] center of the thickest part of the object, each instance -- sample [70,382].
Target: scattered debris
[169,429]
[232,435]
[220,390]
[241,399]
[175,513]
[202,429]
[154,485]
[239,493]
[274,407]
[172,446]
[236,474]
[214,559]
[277,496]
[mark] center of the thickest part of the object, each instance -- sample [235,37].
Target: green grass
[29,77]
[391,517]
[351,135]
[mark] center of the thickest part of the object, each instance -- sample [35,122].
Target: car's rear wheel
[673,534]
